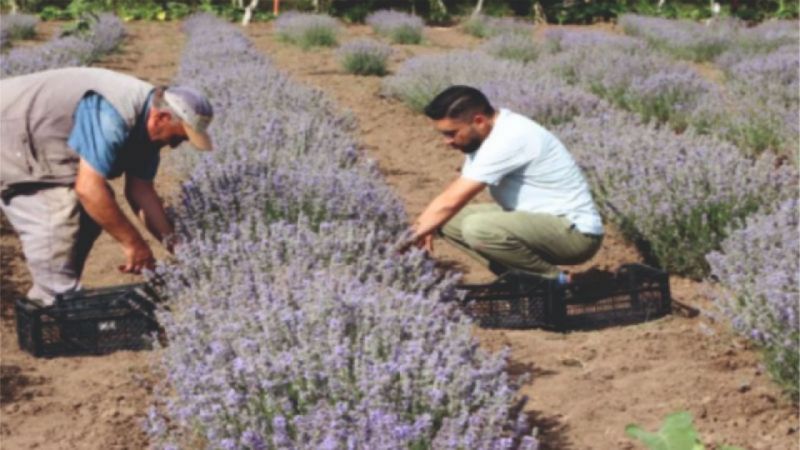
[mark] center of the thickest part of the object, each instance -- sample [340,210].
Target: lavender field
[292,321]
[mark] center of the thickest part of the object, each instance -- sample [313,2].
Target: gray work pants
[531,242]
[56,235]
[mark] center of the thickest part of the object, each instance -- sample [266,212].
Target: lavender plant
[758,268]
[297,330]
[476,26]
[519,47]
[104,36]
[307,30]
[364,57]
[399,27]
[19,26]
[676,196]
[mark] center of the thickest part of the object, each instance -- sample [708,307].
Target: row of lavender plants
[679,196]
[757,108]
[716,40]
[293,322]
[104,36]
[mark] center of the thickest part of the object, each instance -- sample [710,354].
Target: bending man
[63,134]
[544,215]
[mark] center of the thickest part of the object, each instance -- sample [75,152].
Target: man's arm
[445,206]
[98,201]
[147,205]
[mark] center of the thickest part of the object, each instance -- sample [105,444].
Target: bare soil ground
[584,386]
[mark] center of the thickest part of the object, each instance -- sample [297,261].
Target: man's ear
[163,117]
[479,120]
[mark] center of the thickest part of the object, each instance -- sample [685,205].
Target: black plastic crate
[635,293]
[92,321]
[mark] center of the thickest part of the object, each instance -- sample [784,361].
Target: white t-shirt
[528,169]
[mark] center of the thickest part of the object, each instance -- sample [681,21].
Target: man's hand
[438,212]
[426,243]
[443,208]
[137,257]
[423,242]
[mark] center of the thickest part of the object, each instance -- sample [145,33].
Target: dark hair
[457,102]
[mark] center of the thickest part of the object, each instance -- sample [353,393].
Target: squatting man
[544,215]
[63,134]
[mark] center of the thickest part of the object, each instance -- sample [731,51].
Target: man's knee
[478,233]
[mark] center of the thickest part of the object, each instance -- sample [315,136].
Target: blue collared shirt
[102,138]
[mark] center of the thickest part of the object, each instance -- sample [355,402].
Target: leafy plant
[677,433]
[80,26]
[51,12]
[178,10]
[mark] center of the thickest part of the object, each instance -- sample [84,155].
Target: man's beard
[472,146]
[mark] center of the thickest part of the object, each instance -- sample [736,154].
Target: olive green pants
[531,242]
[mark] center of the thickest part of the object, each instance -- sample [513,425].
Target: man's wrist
[169,240]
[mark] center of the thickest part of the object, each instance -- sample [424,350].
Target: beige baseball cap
[195,111]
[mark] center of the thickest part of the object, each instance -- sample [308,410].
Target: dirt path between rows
[585,386]
[84,402]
